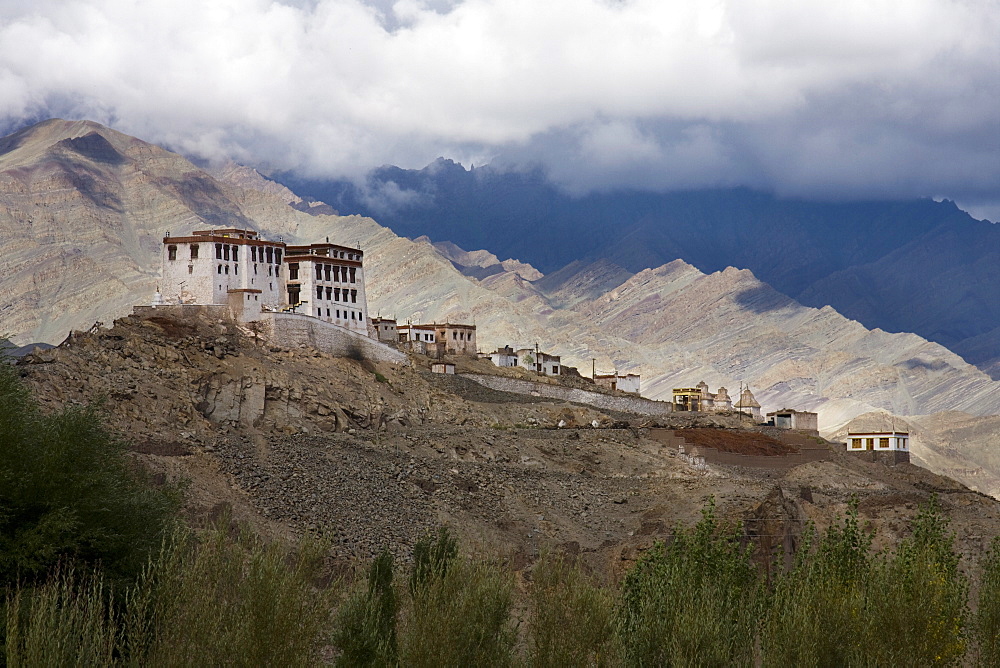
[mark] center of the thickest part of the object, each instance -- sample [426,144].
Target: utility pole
[538,365]
[593,368]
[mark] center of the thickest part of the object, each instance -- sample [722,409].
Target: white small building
[878,441]
[443,367]
[626,382]
[505,357]
[426,334]
[539,362]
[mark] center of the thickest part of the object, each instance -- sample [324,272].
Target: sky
[845,99]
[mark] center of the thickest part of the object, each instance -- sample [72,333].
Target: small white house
[505,357]
[542,363]
[878,441]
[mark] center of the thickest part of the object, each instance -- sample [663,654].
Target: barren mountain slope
[84,209]
[791,354]
[295,441]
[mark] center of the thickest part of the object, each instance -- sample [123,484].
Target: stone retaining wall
[295,329]
[636,405]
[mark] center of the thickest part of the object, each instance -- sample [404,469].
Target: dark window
[336,294]
[190,269]
[253,253]
[353,272]
[270,254]
[220,268]
[328,313]
[236,268]
[319,292]
[319,272]
[327,268]
[329,293]
[171,252]
[225,252]
[354,296]
[293,271]
[218,251]
[194,251]
[352,315]
[277,256]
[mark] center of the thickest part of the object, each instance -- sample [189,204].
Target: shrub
[987,619]
[63,621]
[223,601]
[817,606]
[67,491]
[694,601]
[916,599]
[365,631]
[572,620]
[461,617]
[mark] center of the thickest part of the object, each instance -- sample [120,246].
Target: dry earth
[373,456]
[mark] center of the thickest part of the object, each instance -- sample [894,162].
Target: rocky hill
[83,210]
[372,455]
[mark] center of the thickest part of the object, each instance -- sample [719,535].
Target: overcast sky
[825,98]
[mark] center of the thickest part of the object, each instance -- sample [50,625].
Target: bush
[365,630]
[844,604]
[67,492]
[816,607]
[459,613]
[64,621]
[572,620]
[695,601]
[987,619]
[224,601]
[916,599]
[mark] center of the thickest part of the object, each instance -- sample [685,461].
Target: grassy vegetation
[97,572]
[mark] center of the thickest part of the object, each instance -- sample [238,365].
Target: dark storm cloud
[853,98]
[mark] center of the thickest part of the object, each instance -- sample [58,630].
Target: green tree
[68,492]
[817,607]
[572,619]
[365,631]
[696,601]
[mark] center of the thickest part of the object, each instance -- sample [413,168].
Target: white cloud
[897,96]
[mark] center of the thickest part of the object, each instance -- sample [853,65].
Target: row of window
[334,294]
[869,444]
[224,269]
[334,273]
[229,251]
[354,315]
